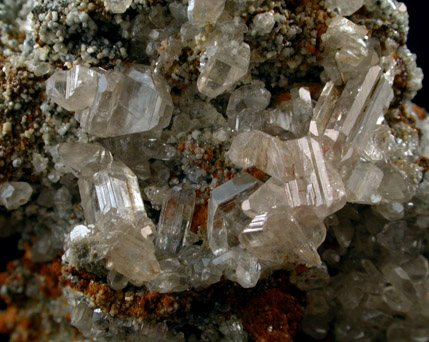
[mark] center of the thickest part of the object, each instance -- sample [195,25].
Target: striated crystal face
[203,12]
[285,235]
[362,184]
[227,64]
[175,220]
[73,89]
[114,188]
[136,101]
[225,218]
[15,194]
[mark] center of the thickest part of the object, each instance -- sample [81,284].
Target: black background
[418,43]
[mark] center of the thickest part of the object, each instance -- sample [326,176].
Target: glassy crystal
[225,218]
[73,89]
[248,97]
[390,211]
[228,63]
[126,251]
[15,194]
[131,102]
[175,220]
[362,184]
[89,157]
[113,188]
[267,153]
[116,281]
[285,235]
[395,186]
[344,7]
[263,23]
[117,6]
[204,12]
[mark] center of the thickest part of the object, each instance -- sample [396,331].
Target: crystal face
[227,64]
[115,188]
[178,170]
[112,103]
[225,218]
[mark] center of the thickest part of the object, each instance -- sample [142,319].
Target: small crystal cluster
[212,155]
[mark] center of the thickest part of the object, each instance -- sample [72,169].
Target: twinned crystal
[112,103]
[203,12]
[225,218]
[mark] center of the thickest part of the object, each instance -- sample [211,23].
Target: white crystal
[117,6]
[204,12]
[285,235]
[390,211]
[225,218]
[263,23]
[73,89]
[344,7]
[131,102]
[15,194]
[113,188]
[175,220]
[228,62]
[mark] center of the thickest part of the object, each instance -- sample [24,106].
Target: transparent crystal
[175,220]
[131,102]
[344,7]
[73,89]
[362,184]
[390,211]
[285,235]
[126,251]
[203,12]
[172,277]
[15,194]
[117,6]
[228,63]
[248,97]
[225,218]
[116,281]
[85,157]
[267,153]
[113,188]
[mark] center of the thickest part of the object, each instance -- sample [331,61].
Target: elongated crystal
[227,64]
[115,188]
[175,220]
[344,7]
[225,218]
[15,194]
[285,235]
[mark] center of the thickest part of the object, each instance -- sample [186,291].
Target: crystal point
[15,194]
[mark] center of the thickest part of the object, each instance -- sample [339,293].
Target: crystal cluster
[230,142]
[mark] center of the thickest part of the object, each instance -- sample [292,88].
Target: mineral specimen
[159,157]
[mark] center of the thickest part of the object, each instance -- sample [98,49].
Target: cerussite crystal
[112,103]
[225,218]
[203,12]
[247,97]
[116,188]
[117,6]
[175,220]
[228,63]
[285,235]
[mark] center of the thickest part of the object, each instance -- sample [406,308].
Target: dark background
[418,43]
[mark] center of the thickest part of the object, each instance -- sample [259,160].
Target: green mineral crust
[212,170]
